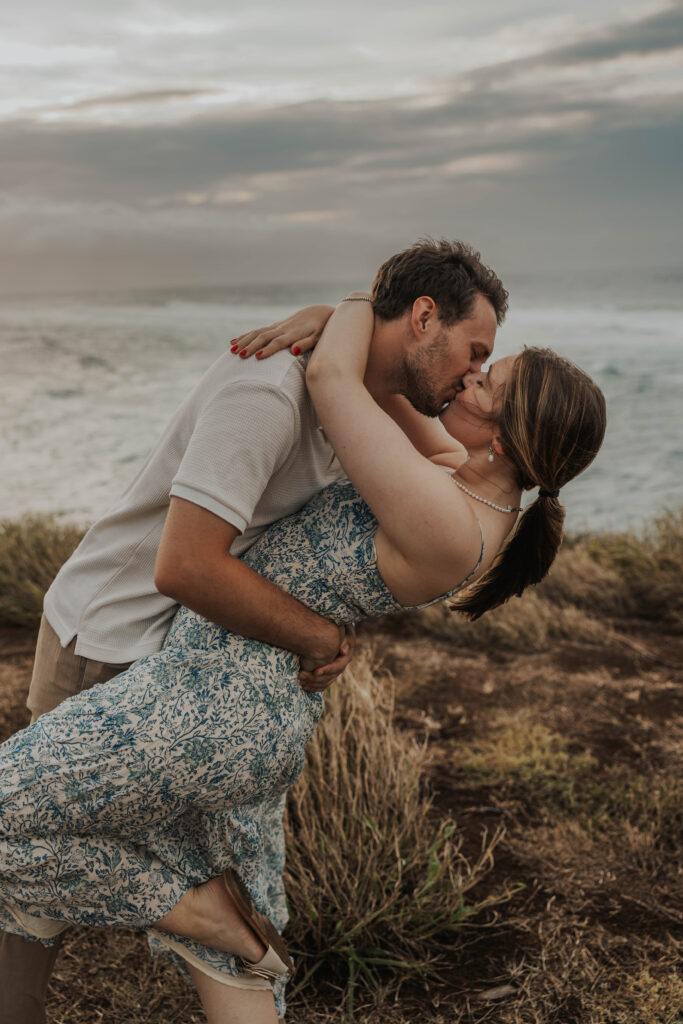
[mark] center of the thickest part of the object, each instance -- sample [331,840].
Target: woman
[178,768]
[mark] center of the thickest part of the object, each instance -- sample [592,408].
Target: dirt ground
[572,757]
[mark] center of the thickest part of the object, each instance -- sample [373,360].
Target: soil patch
[573,754]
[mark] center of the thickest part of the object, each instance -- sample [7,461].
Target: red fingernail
[259,353]
[233,340]
[296,350]
[234,348]
[243,354]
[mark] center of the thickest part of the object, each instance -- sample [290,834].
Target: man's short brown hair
[451,273]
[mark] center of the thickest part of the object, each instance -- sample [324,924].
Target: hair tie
[548,494]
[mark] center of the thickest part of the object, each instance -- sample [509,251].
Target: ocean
[88,383]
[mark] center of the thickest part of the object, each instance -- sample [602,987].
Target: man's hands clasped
[314,677]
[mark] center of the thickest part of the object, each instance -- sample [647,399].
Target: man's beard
[419,384]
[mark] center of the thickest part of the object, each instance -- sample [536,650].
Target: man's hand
[315,679]
[298,332]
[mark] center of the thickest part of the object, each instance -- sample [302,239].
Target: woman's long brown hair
[552,423]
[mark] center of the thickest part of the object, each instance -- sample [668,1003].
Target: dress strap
[481,553]
[479,561]
[464,582]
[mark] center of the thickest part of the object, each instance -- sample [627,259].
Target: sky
[159,143]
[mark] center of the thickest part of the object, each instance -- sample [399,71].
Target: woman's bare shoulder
[437,562]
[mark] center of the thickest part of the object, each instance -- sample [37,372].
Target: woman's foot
[207,914]
[277,960]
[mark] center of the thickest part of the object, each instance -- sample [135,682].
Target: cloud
[657,32]
[560,149]
[134,98]
[484,132]
[633,60]
[270,53]
[308,216]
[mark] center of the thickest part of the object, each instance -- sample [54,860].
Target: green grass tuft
[536,770]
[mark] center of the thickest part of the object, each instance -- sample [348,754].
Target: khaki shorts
[58,672]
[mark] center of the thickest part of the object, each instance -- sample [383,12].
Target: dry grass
[591,977]
[594,581]
[590,821]
[547,776]
[107,977]
[377,886]
[579,579]
[31,553]
[605,576]
[521,758]
[527,624]
[649,567]
[557,717]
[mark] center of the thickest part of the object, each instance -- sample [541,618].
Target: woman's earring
[490,455]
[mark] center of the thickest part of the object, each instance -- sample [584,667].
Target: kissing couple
[290,496]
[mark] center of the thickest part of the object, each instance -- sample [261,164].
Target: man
[242,451]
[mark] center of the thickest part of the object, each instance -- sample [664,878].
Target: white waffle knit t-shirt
[246,445]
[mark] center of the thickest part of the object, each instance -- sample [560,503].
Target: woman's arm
[429,436]
[422,515]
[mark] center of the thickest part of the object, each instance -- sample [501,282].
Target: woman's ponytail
[524,560]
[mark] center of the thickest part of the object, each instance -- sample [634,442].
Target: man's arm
[195,568]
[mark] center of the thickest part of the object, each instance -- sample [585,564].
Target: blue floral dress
[119,800]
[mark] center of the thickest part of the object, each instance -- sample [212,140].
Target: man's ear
[423,316]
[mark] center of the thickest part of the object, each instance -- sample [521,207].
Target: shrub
[529,623]
[32,550]
[375,885]
[578,579]
[650,567]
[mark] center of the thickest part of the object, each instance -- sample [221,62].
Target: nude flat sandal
[276,961]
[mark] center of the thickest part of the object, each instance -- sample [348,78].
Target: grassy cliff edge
[489,825]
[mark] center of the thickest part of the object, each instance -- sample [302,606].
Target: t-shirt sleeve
[242,436]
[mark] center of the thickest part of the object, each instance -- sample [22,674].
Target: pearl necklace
[485,501]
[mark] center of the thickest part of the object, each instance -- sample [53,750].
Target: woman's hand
[298,332]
